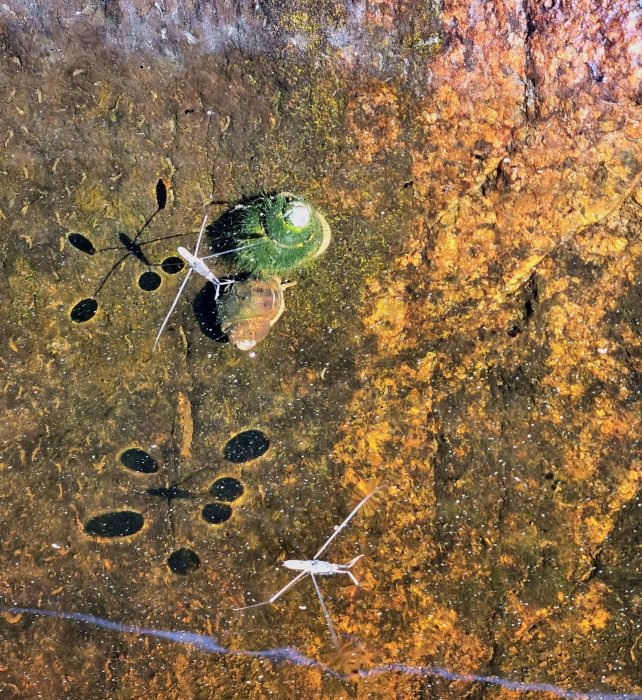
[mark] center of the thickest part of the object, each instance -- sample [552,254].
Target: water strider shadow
[148,281]
[216,503]
[206,311]
[223,232]
[222,236]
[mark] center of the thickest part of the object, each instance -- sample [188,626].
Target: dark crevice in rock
[531,101]
[497,180]
[528,304]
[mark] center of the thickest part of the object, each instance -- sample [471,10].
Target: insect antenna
[231,250]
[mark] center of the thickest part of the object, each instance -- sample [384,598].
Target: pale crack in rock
[521,275]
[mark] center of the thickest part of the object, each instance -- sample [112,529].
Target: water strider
[318,567]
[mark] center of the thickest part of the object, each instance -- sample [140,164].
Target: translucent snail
[271,234]
[248,310]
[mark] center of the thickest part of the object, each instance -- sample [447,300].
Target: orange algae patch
[373,121]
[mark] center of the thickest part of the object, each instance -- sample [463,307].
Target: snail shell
[285,230]
[250,308]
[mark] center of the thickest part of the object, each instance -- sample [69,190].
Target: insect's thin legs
[182,287]
[172,307]
[231,250]
[200,235]
[353,577]
[326,614]
[222,283]
[278,594]
[355,510]
[352,562]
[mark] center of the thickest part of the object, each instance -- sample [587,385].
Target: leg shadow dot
[227,489]
[216,513]
[183,561]
[118,524]
[172,265]
[246,446]
[84,310]
[149,281]
[139,461]
[81,242]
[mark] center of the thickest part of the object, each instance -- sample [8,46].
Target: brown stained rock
[471,338]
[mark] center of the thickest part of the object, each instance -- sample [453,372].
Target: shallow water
[470,339]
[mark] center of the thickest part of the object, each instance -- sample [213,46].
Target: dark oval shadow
[206,312]
[84,310]
[227,489]
[161,195]
[183,561]
[149,281]
[82,243]
[216,513]
[139,461]
[172,265]
[118,524]
[245,446]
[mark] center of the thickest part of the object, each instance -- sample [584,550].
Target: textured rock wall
[472,338]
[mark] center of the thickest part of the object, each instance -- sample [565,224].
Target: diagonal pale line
[525,270]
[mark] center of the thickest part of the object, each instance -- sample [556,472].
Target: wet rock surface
[471,338]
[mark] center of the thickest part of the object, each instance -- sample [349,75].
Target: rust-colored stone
[471,338]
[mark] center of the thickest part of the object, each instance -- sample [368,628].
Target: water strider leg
[187,276]
[355,510]
[353,577]
[326,614]
[172,307]
[278,594]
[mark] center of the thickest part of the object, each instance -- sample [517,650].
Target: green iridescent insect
[282,232]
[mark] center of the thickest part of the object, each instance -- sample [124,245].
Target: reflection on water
[287,655]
